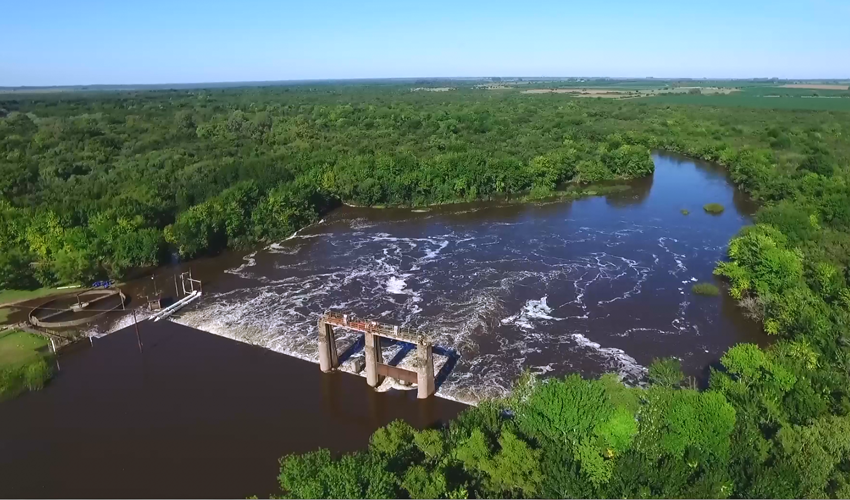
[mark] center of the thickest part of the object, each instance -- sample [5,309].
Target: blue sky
[121,42]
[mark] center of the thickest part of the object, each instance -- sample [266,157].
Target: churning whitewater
[590,286]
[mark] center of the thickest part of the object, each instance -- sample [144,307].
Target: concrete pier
[328,357]
[374,356]
[424,371]
[376,368]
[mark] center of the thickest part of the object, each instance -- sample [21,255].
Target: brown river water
[601,284]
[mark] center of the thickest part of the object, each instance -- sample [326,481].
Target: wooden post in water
[55,356]
[136,325]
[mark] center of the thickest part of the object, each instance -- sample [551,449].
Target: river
[594,285]
[590,286]
[180,413]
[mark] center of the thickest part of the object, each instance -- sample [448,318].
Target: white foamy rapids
[122,320]
[397,286]
[281,313]
[533,309]
[286,250]
[615,359]
[432,253]
[468,288]
[249,262]
[665,243]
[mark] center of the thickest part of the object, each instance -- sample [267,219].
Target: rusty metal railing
[405,334]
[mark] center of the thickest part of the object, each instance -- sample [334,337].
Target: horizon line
[405,78]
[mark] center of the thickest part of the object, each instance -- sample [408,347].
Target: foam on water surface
[557,288]
[464,287]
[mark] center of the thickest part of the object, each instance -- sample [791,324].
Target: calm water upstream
[594,285]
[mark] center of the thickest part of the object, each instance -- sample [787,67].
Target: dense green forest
[100,184]
[103,183]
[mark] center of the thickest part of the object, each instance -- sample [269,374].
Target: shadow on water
[717,173]
[451,361]
[639,190]
[353,349]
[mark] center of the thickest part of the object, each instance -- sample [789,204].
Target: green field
[765,97]
[746,93]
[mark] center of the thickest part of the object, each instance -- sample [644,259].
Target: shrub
[16,379]
[706,289]
[10,382]
[713,208]
[36,375]
[685,211]
[761,263]
[592,171]
[666,372]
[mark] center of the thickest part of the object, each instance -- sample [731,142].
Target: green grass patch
[713,208]
[685,211]
[17,347]
[708,289]
[23,365]
[764,98]
[8,296]
[4,314]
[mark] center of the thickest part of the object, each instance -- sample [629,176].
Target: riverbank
[9,299]
[565,192]
[192,415]
[24,363]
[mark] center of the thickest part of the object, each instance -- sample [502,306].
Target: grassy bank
[24,364]
[9,297]
[707,289]
[4,314]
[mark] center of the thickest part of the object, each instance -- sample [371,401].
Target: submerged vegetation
[713,208]
[102,183]
[709,289]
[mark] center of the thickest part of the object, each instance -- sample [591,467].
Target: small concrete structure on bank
[376,369]
[85,309]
